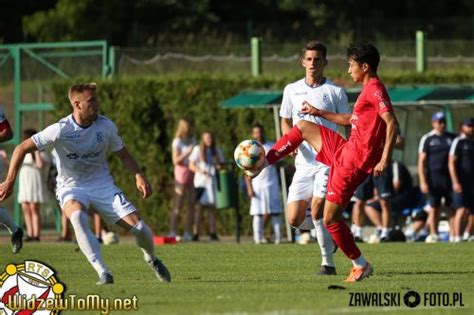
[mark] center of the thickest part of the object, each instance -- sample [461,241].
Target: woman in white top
[182,147]
[205,160]
[32,191]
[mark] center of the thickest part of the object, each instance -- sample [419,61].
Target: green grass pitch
[227,278]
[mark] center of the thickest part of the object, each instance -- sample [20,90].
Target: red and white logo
[29,288]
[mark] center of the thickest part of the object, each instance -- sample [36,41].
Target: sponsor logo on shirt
[301,93]
[85,156]
[74,136]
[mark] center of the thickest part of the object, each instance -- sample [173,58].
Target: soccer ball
[249,155]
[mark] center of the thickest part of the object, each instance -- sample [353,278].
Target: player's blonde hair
[80,88]
[185,130]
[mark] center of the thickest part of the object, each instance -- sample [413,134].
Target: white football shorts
[109,201]
[309,181]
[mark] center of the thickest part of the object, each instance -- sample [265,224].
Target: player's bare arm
[421,172]
[131,165]
[390,138]
[454,173]
[340,119]
[6,132]
[27,146]
[248,183]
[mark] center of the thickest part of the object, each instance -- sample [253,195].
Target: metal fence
[284,57]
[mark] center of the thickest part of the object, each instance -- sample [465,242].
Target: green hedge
[146,111]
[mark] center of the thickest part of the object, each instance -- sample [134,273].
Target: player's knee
[294,220]
[330,218]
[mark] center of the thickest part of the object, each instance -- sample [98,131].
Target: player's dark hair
[364,53]
[316,46]
[262,129]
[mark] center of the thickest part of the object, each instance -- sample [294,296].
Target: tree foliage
[160,22]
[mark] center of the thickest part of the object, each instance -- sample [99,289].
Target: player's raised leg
[88,243]
[144,239]
[288,143]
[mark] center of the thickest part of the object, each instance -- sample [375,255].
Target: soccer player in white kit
[15,231]
[310,178]
[264,193]
[80,143]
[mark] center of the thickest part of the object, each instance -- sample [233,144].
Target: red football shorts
[344,176]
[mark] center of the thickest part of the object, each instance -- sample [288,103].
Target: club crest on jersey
[326,99]
[29,288]
[99,136]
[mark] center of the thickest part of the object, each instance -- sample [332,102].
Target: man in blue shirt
[461,169]
[433,171]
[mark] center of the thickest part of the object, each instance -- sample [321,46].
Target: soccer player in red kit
[368,149]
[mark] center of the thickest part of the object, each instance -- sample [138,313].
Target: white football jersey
[327,96]
[80,153]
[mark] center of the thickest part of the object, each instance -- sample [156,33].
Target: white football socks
[6,220]
[257,225]
[359,262]
[144,240]
[276,224]
[325,243]
[87,241]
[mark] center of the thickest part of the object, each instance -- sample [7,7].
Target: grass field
[267,279]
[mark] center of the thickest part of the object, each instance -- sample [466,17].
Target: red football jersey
[367,139]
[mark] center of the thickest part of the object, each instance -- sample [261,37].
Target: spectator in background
[461,169]
[381,202]
[205,160]
[264,194]
[433,170]
[32,191]
[182,147]
[402,197]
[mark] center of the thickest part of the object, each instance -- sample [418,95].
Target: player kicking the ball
[80,143]
[367,151]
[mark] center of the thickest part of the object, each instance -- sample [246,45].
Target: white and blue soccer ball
[249,155]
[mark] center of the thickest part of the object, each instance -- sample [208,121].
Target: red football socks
[285,145]
[343,237]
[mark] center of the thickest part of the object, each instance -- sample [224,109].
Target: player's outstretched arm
[340,119]
[18,155]
[132,166]
[390,137]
